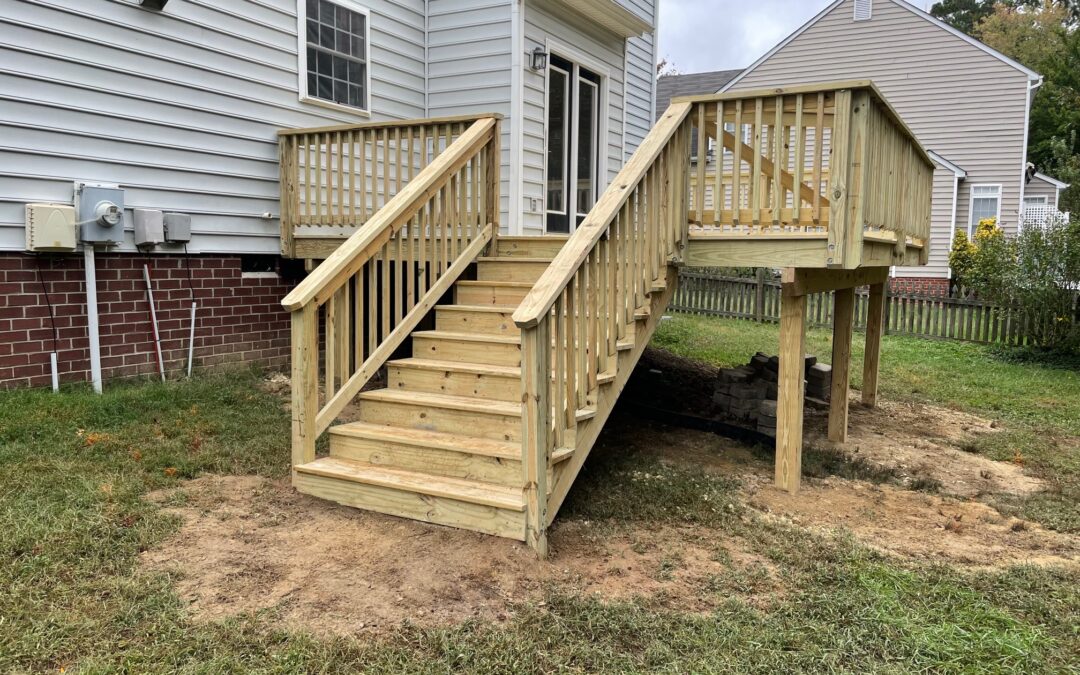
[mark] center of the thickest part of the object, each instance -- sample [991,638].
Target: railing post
[305,382]
[536,430]
[288,167]
[847,178]
[494,184]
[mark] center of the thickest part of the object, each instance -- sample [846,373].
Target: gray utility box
[100,213]
[177,228]
[149,227]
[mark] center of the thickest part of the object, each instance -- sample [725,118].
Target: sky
[702,35]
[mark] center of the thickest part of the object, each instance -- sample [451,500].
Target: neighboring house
[180,107]
[967,104]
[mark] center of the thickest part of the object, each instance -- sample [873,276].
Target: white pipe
[55,374]
[153,320]
[191,340]
[92,317]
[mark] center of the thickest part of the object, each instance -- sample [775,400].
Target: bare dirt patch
[918,525]
[248,544]
[925,441]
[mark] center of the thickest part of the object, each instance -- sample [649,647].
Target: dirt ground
[248,544]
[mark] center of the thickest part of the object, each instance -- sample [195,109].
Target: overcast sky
[702,35]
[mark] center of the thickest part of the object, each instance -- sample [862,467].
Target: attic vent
[862,9]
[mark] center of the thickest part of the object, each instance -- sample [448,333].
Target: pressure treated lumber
[843,323]
[791,389]
[875,326]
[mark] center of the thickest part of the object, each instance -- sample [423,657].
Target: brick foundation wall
[919,286]
[239,319]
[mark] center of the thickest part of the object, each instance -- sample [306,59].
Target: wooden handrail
[350,256]
[555,278]
[388,124]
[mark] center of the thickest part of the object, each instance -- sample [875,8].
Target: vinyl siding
[961,102]
[640,90]
[1037,187]
[469,67]
[179,107]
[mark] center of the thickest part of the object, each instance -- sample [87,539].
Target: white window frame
[1042,200]
[301,54]
[972,223]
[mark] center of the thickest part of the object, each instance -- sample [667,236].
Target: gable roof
[671,86]
[1053,181]
[1031,74]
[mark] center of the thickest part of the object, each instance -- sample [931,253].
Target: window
[334,52]
[1039,200]
[985,203]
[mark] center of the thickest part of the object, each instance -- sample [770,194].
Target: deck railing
[374,289]
[333,179]
[831,162]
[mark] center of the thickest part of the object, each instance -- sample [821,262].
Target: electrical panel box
[50,227]
[149,227]
[177,228]
[100,211]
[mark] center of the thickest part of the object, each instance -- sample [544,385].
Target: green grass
[1038,403]
[74,468]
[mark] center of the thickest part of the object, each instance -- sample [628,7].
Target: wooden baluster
[410,258]
[603,278]
[423,221]
[358,318]
[614,247]
[384,292]
[755,173]
[559,388]
[342,339]
[800,160]
[736,166]
[778,141]
[718,159]
[593,309]
[444,228]
[583,340]
[571,360]
[339,212]
[819,144]
[702,154]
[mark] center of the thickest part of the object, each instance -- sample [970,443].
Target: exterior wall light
[539,59]
[154,4]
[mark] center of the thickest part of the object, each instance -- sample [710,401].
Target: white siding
[469,67]
[179,107]
[640,89]
[961,102]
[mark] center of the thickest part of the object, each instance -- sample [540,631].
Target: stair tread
[469,337]
[440,486]
[423,398]
[457,366]
[430,439]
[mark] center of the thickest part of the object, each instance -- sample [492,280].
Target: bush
[1038,271]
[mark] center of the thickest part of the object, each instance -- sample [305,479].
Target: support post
[875,326]
[305,383]
[536,431]
[759,297]
[789,409]
[843,322]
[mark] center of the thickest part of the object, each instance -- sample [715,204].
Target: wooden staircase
[442,441]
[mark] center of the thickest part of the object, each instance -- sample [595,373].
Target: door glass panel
[558,143]
[586,147]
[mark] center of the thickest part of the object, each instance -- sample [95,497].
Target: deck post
[305,383]
[536,431]
[789,409]
[875,325]
[843,322]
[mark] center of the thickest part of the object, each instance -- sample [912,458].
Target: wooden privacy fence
[927,316]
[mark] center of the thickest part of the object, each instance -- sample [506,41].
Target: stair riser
[546,247]
[489,387]
[427,508]
[439,462]
[489,295]
[483,323]
[507,270]
[498,427]
[461,351]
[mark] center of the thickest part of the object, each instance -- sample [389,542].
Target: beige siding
[1040,188]
[961,102]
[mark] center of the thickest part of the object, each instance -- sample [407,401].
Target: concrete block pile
[747,394]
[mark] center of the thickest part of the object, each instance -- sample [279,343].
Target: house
[180,107]
[484,224]
[966,103]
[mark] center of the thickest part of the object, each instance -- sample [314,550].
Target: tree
[962,14]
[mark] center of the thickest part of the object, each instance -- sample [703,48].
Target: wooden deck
[487,421]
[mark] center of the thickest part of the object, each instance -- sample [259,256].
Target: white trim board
[957,171]
[1031,74]
[1053,181]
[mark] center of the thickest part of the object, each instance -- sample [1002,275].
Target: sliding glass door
[573,134]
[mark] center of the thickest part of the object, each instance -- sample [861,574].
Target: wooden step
[511,269]
[499,383]
[503,293]
[498,420]
[492,509]
[497,350]
[547,246]
[442,454]
[487,319]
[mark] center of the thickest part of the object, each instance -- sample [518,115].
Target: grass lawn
[74,469]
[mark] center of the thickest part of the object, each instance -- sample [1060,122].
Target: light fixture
[539,59]
[154,4]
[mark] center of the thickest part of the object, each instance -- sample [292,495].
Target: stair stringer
[589,430]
